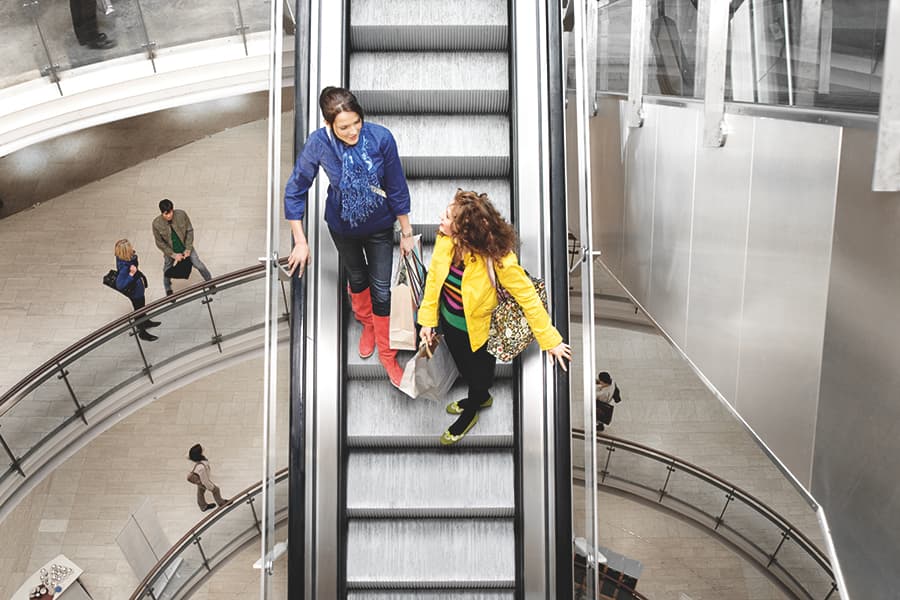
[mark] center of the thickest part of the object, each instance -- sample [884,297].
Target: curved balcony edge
[112,90]
[765,560]
[139,393]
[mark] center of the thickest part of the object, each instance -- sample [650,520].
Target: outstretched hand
[299,257]
[559,354]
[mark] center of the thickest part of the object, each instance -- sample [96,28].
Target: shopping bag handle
[429,350]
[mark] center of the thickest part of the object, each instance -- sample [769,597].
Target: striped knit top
[451,298]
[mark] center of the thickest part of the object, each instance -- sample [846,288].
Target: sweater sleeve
[514,279]
[124,277]
[301,179]
[395,185]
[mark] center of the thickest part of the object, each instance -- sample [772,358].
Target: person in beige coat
[203,481]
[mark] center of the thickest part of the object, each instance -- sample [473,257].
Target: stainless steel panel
[788,256]
[857,451]
[640,172]
[671,243]
[608,183]
[721,198]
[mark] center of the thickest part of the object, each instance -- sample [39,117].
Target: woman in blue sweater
[367,192]
[131,282]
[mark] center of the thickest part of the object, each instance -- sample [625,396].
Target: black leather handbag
[180,270]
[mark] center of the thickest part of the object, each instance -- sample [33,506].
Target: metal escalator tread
[422,520]
[468,594]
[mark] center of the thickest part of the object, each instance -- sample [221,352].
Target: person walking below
[367,192]
[131,282]
[460,297]
[174,236]
[203,481]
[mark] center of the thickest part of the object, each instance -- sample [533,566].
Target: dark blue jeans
[368,261]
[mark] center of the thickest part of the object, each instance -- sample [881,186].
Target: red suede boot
[387,356]
[362,308]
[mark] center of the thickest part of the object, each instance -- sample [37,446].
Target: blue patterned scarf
[359,180]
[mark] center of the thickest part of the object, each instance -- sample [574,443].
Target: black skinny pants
[84,19]
[476,368]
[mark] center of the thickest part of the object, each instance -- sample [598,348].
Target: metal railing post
[640,22]
[241,28]
[50,70]
[79,409]
[149,46]
[147,366]
[15,461]
[713,21]
[217,337]
[202,553]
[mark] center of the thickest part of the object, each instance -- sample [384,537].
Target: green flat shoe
[454,409]
[448,438]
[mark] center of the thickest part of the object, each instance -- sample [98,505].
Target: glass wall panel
[815,53]
[20,30]
[613,46]
[671,60]
[122,28]
[182,22]
[256,15]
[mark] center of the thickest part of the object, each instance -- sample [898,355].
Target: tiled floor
[51,260]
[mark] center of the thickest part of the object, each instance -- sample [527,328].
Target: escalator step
[431,82]
[428,12]
[479,148]
[488,513]
[431,196]
[429,37]
[371,369]
[378,417]
[467,594]
[430,554]
[405,480]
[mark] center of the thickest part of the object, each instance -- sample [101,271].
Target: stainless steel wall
[728,249]
[857,451]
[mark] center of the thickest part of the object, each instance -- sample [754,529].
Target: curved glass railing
[210,543]
[42,42]
[83,387]
[756,530]
[825,55]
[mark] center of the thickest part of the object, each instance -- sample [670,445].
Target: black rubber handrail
[731,490]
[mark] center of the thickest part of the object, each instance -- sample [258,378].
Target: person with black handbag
[131,282]
[474,240]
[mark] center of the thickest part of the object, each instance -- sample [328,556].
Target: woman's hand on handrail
[559,354]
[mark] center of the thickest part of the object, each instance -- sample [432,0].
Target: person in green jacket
[174,236]
[460,297]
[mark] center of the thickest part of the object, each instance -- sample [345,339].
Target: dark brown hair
[335,100]
[478,227]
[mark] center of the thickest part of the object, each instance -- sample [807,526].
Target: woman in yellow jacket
[459,297]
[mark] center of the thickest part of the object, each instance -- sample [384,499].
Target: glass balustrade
[760,533]
[825,54]
[211,543]
[42,37]
[613,45]
[96,377]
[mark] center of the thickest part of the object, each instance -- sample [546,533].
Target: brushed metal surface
[673,193]
[788,256]
[857,451]
[721,198]
[640,173]
[608,195]
[531,190]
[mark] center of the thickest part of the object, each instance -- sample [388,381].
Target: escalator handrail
[701,473]
[60,359]
[193,533]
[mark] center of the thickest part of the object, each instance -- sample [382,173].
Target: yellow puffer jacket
[479,297]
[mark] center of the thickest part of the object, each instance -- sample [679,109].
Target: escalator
[390,513]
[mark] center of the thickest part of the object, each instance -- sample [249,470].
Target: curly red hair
[479,228]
